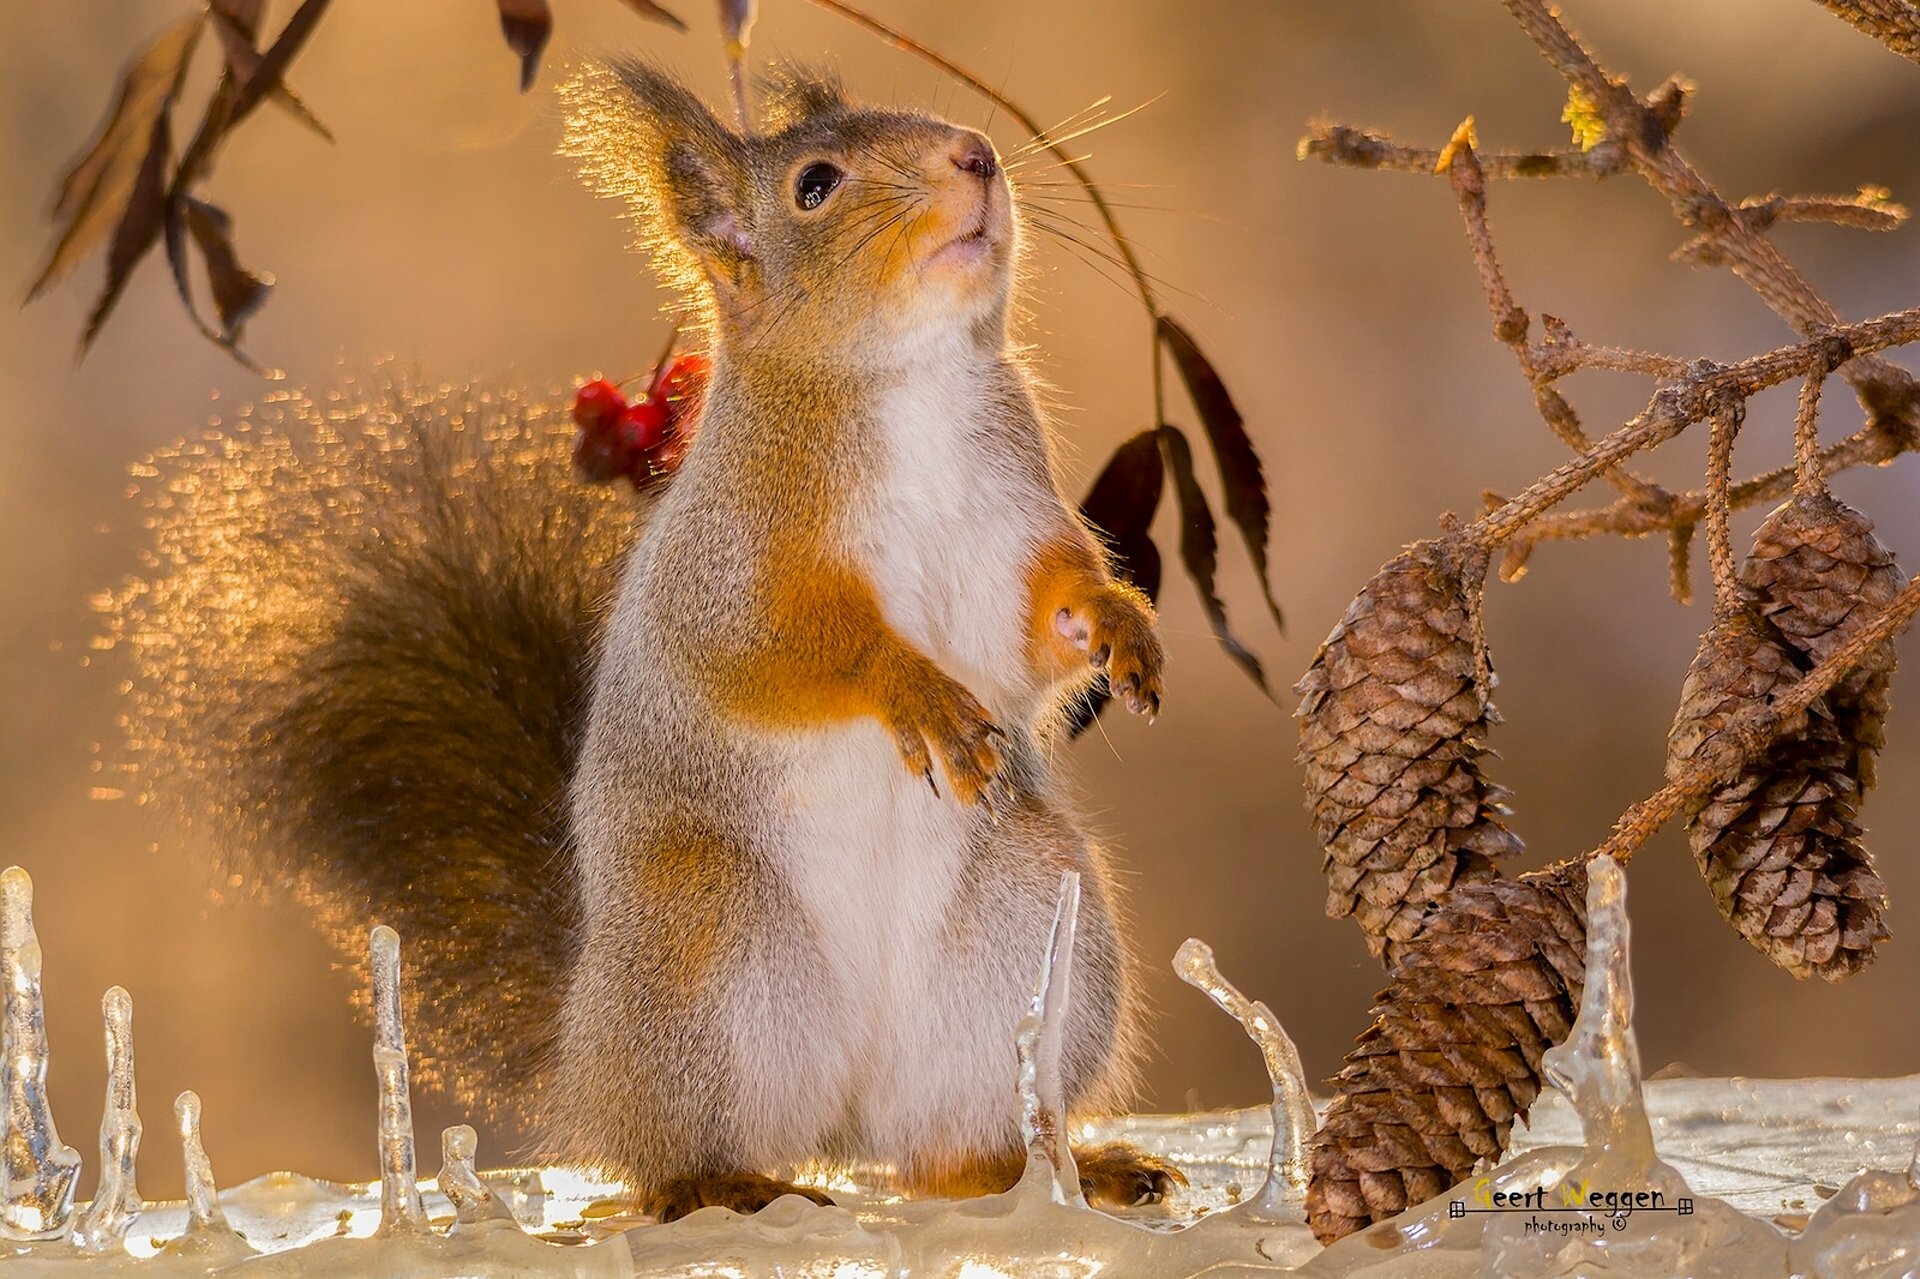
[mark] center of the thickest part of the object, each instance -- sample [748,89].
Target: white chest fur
[875,859]
[950,531]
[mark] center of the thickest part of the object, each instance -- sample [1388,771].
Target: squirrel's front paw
[941,718]
[1116,632]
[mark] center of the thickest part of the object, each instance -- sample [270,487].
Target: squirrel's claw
[1116,629]
[947,722]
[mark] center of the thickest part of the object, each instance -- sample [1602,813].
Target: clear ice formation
[1043,1110]
[209,1240]
[104,1222]
[39,1169]
[401,1211]
[556,1221]
[472,1201]
[1294,1120]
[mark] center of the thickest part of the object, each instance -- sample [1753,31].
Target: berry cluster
[645,440]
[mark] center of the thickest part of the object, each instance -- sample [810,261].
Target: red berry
[644,425]
[686,379]
[598,405]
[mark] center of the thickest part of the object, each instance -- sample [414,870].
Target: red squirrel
[722,826]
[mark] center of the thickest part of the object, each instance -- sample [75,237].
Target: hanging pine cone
[1777,845]
[1817,572]
[1780,850]
[1453,1054]
[1742,660]
[1392,714]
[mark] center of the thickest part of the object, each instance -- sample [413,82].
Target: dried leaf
[736,25]
[1242,479]
[139,227]
[1199,549]
[1121,504]
[268,75]
[648,9]
[96,192]
[237,292]
[526,24]
[243,63]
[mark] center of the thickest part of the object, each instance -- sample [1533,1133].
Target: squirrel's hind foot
[741,1192]
[1114,1175]
[1119,1175]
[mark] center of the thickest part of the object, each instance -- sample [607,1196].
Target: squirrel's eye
[815,183]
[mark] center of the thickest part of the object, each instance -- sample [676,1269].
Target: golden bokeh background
[1342,308]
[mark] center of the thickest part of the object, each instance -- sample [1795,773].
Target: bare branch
[1894,23]
[1362,149]
[1676,406]
[1643,128]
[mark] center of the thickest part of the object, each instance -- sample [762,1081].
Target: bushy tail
[362,654]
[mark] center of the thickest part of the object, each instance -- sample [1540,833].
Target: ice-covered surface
[1830,1162]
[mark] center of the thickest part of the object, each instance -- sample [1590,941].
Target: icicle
[472,1201]
[39,1171]
[1280,1199]
[1598,1065]
[104,1222]
[203,1195]
[401,1211]
[1043,1115]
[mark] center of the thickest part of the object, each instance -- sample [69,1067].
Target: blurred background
[1342,308]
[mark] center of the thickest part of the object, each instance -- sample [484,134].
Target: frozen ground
[1792,1177]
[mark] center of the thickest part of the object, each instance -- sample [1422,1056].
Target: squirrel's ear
[640,134]
[792,94]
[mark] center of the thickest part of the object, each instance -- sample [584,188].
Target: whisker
[1103,123]
[1040,139]
[1075,233]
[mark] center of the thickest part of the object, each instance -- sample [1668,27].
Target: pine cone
[1392,715]
[1778,845]
[1453,1054]
[1780,850]
[1817,573]
[1742,660]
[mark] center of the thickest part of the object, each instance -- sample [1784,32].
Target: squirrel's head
[833,226]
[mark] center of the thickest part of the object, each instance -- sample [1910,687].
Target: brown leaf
[139,226]
[659,13]
[1199,549]
[96,192]
[1241,478]
[268,75]
[237,292]
[526,24]
[1121,505]
[736,24]
[243,63]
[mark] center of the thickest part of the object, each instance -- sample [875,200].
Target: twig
[1894,23]
[1541,365]
[1676,406]
[1872,445]
[1362,149]
[1753,730]
[1727,416]
[1807,477]
[1642,129]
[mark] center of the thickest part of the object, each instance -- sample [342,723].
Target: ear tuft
[792,93]
[639,134]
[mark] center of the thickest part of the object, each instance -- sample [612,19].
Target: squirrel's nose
[975,156]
